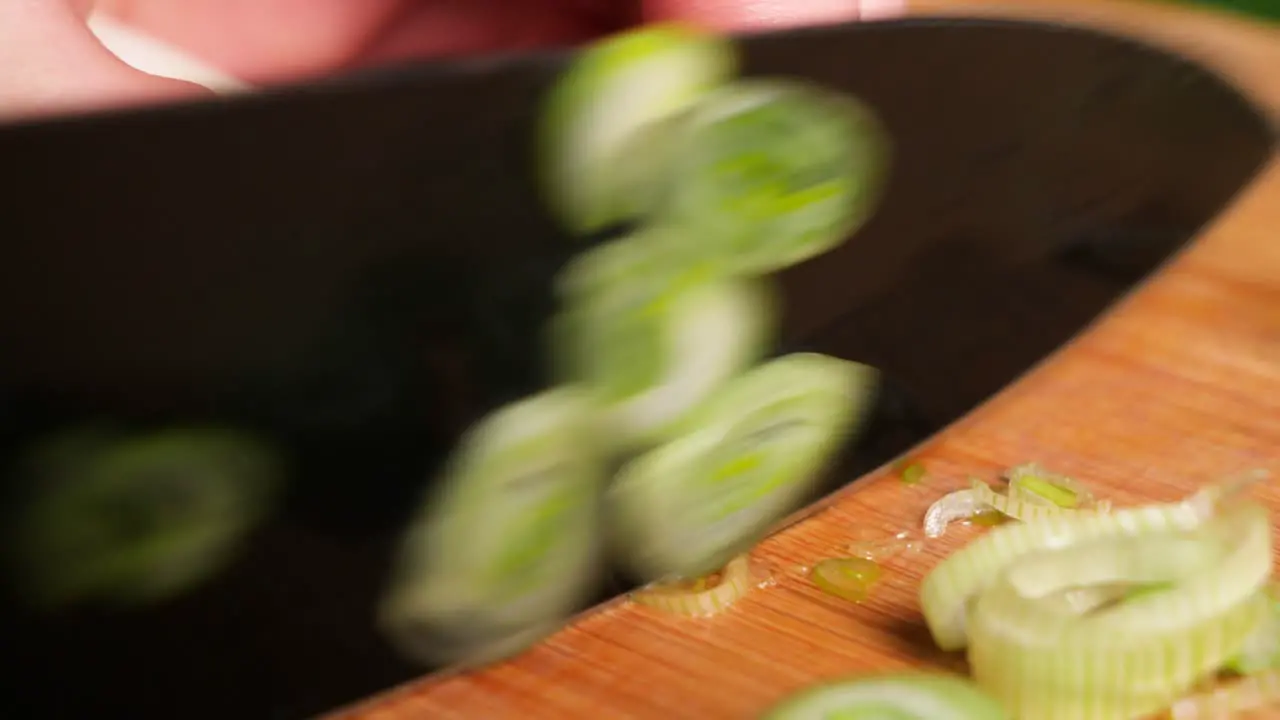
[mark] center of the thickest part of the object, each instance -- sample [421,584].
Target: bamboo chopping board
[1178,386]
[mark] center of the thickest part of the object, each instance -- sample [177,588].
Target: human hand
[52,63]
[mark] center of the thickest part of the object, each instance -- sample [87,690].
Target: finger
[729,15]
[265,41]
[433,29]
[53,64]
[258,40]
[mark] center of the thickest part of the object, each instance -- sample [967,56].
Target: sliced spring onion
[1019,505]
[1262,650]
[604,136]
[1036,485]
[508,541]
[773,172]
[1013,598]
[754,450]
[1247,695]
[140,519]
[1032,493]
[958,505]
[847,578]
[708,595]
[947,590]
[891,697]
[652,336]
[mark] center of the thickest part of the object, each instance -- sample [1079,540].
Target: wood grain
[1178,386]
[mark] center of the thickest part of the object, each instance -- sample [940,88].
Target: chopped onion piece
[899,697]
[959,505]
[1052,632]
[508,541]
[652,337]
[1031,483]
[1262,650]
[773,172]
[604,140]
[1018,506]
[753,452]
[704,597]
[139,519]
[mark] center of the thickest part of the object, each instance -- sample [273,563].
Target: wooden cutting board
[1178,386]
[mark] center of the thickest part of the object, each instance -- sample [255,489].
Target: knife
[353,273]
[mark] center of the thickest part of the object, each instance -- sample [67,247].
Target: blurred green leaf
[1269,9]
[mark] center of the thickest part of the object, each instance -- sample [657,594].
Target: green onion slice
[1032,484]
[1262,650]
[1032,494]
[141,519]
[509,540]
[1019,503]
[954,506]
[653,337]
[772,172]
[1045,649]
[604,135]
[707,596]
[891,697]
[755,449]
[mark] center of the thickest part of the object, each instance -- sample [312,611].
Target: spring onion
[604,132]
[1262,650]
[1031,493]
[653,336]
[508,541]
[706,596]
[755,449]
[140,519]
[948,589]
[982,505]
[1031,483]
[1018,504]
[892,697]
[847,578]
[772,172]
[958,505]
[1045,650]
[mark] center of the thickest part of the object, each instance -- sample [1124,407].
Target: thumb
[51,63]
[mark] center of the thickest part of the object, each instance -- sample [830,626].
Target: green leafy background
[1259,8]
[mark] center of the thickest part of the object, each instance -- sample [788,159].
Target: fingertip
[56,66]
[882,9]
[736,15]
